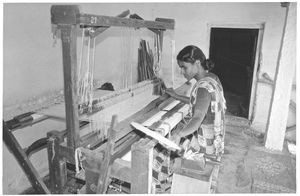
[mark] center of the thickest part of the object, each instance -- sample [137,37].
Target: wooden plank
[97,164]
[105,168]
[68,37]
[191,177]
[120,148]
[279,107]
[193,169]
[121,170]
[91,178]
[186,185]
[161,139]
[97,20]
[141,164]
[26,165]
[92,160]
[125,147]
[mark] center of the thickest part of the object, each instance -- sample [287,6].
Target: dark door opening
[233,52]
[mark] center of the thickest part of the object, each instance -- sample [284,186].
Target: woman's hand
[175,138]
[171,92]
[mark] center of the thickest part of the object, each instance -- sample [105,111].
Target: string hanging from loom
[98,121]
[85,75]
[86,84]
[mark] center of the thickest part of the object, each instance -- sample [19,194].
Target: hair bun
[208,64]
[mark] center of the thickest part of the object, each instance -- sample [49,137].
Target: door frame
[245,25]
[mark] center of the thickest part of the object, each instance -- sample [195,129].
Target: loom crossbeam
[96,20]
[62,14]
[99,30]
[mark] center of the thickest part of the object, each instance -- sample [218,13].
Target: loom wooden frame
[68,18]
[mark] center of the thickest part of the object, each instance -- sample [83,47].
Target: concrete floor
[250,168]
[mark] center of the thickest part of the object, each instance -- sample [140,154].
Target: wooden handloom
[99,163]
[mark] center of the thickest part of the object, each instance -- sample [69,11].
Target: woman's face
[188,70]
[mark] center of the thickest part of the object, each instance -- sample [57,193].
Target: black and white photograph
[149,97]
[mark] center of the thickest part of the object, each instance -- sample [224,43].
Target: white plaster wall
[32,66]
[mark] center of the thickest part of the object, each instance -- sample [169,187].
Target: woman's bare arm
[181,98]
[200,109]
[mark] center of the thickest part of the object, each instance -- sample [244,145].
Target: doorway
[233,50]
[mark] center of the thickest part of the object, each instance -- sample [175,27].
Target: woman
[207,103]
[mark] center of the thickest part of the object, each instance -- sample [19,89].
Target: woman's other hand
[171,92]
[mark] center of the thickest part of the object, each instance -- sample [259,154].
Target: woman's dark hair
[192,53]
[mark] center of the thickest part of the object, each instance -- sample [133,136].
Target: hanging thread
[85,74]
[78,160]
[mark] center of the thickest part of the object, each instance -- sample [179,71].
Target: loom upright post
[66,19]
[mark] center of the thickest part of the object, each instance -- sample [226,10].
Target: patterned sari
[213,129]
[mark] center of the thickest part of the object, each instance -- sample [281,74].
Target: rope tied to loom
[78,160]
[52,139]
